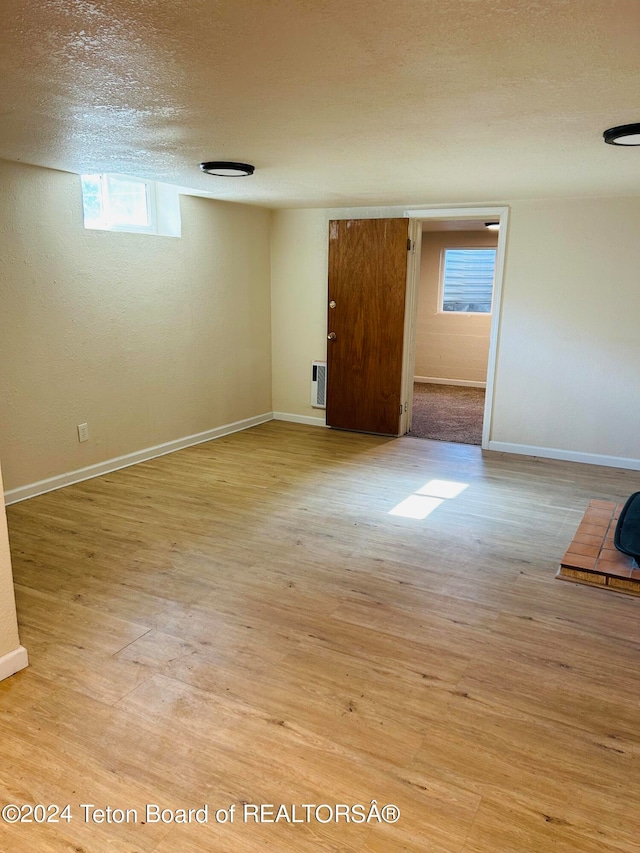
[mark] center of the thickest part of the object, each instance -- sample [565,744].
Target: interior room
[224,624]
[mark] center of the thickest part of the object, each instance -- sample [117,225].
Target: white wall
[569,343]
[299,269]
[147,339]
[569,349]
[449,345]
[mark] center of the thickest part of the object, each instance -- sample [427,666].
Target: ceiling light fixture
[492,226]
[227,169]
[624,134]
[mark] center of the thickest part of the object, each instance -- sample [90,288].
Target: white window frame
[440,305]
[107,223]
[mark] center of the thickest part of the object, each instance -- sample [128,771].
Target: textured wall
[147,339]
[449,345]
[569,349]
[299,264]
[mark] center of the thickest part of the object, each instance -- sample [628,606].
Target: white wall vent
[319,384]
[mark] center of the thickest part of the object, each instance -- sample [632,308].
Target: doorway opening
[453,308]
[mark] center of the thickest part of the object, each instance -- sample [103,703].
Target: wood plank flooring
[243,622]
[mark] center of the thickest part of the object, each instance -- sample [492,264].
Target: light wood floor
[244,622]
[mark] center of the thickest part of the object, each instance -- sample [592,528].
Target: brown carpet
[447,413]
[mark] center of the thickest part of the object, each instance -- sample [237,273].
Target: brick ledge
[593,559]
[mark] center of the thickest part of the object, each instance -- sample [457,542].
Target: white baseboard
[468,383]
[13,662]
[566,455]
[49,485]
[300,419]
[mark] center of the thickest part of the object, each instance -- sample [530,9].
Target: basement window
[466,280]
[124,203]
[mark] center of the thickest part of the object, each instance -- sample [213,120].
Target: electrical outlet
[83,432]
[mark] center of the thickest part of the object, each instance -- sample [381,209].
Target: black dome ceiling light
[227,169]
[624,134]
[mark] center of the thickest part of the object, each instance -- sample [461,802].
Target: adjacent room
[226,624]
[453,329]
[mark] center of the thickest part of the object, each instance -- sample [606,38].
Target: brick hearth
[592,557]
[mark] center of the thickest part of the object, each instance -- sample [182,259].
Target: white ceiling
[336,102]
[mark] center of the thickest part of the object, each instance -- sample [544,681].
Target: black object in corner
[627,533]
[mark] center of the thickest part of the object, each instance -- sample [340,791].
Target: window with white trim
[124,203]
[466,280]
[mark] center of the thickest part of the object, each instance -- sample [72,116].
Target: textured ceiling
[335,102]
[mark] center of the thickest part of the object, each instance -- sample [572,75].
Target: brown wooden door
[367,283]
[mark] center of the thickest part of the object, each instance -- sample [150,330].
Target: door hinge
[409,244]
[400,408]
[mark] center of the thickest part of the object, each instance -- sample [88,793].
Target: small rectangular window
[467,280]
[129,201]
[118,203]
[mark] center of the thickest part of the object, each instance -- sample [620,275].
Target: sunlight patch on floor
[428,498]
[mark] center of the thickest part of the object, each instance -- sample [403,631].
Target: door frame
[498,213]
